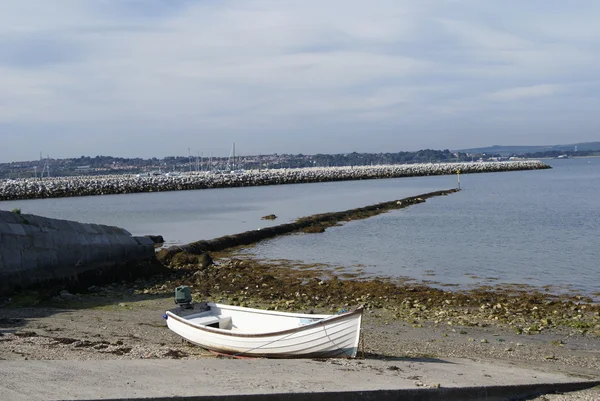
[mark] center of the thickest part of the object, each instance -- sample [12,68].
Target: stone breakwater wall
[36,250]
[124,184]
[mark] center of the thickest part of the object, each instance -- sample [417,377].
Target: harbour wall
[38,251]
[124,184]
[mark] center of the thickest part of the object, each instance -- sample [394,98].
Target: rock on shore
[123,184]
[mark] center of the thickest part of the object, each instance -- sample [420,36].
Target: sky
[156,78]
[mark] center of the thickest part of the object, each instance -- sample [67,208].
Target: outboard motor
[183,297]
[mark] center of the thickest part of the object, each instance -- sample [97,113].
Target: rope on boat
[333,342]
[239,354]
[263,345]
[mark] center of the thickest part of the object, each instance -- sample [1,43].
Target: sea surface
[535,228]
[186,216]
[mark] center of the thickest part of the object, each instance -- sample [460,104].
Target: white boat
[173,174]
[240,331]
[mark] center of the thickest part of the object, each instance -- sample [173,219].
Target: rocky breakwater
[198,252]
[123,184]
[38,251]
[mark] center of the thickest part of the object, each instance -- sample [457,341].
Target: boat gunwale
[269,312]
[214,330]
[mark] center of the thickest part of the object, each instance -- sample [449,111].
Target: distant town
[106,165]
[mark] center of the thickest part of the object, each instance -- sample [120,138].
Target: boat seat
[206,320]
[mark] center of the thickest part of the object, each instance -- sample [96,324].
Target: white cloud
[259,70]
[526,92]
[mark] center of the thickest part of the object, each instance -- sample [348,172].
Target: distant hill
[519,150]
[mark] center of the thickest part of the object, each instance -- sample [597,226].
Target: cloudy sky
[153,78]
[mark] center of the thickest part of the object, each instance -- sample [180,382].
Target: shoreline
[223,271]
[402,321]
[403,326]
[11,190]
[195,252]
[469,317]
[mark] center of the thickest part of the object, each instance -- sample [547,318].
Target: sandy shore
[131,327]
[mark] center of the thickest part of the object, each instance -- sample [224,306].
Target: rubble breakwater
[197,252]
[125,184]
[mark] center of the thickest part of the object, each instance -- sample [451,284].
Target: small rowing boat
[239,331]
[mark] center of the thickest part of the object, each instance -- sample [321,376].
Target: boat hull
[325,336]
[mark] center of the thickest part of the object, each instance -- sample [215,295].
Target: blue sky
[152,78]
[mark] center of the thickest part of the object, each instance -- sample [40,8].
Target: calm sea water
[187,216]
[537,228]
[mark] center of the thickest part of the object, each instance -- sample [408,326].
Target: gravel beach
[124,322]
[405,325]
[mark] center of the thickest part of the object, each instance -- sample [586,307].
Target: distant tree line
[557,153]
[97,165]
[86,165]
[365,159]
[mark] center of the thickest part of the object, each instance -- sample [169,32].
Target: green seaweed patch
[314,229]
[187,259]
[26,299]
[183,258]
[18,212]
[290,285]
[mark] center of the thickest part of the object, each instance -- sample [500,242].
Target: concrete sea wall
[36,250]
[123,184]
